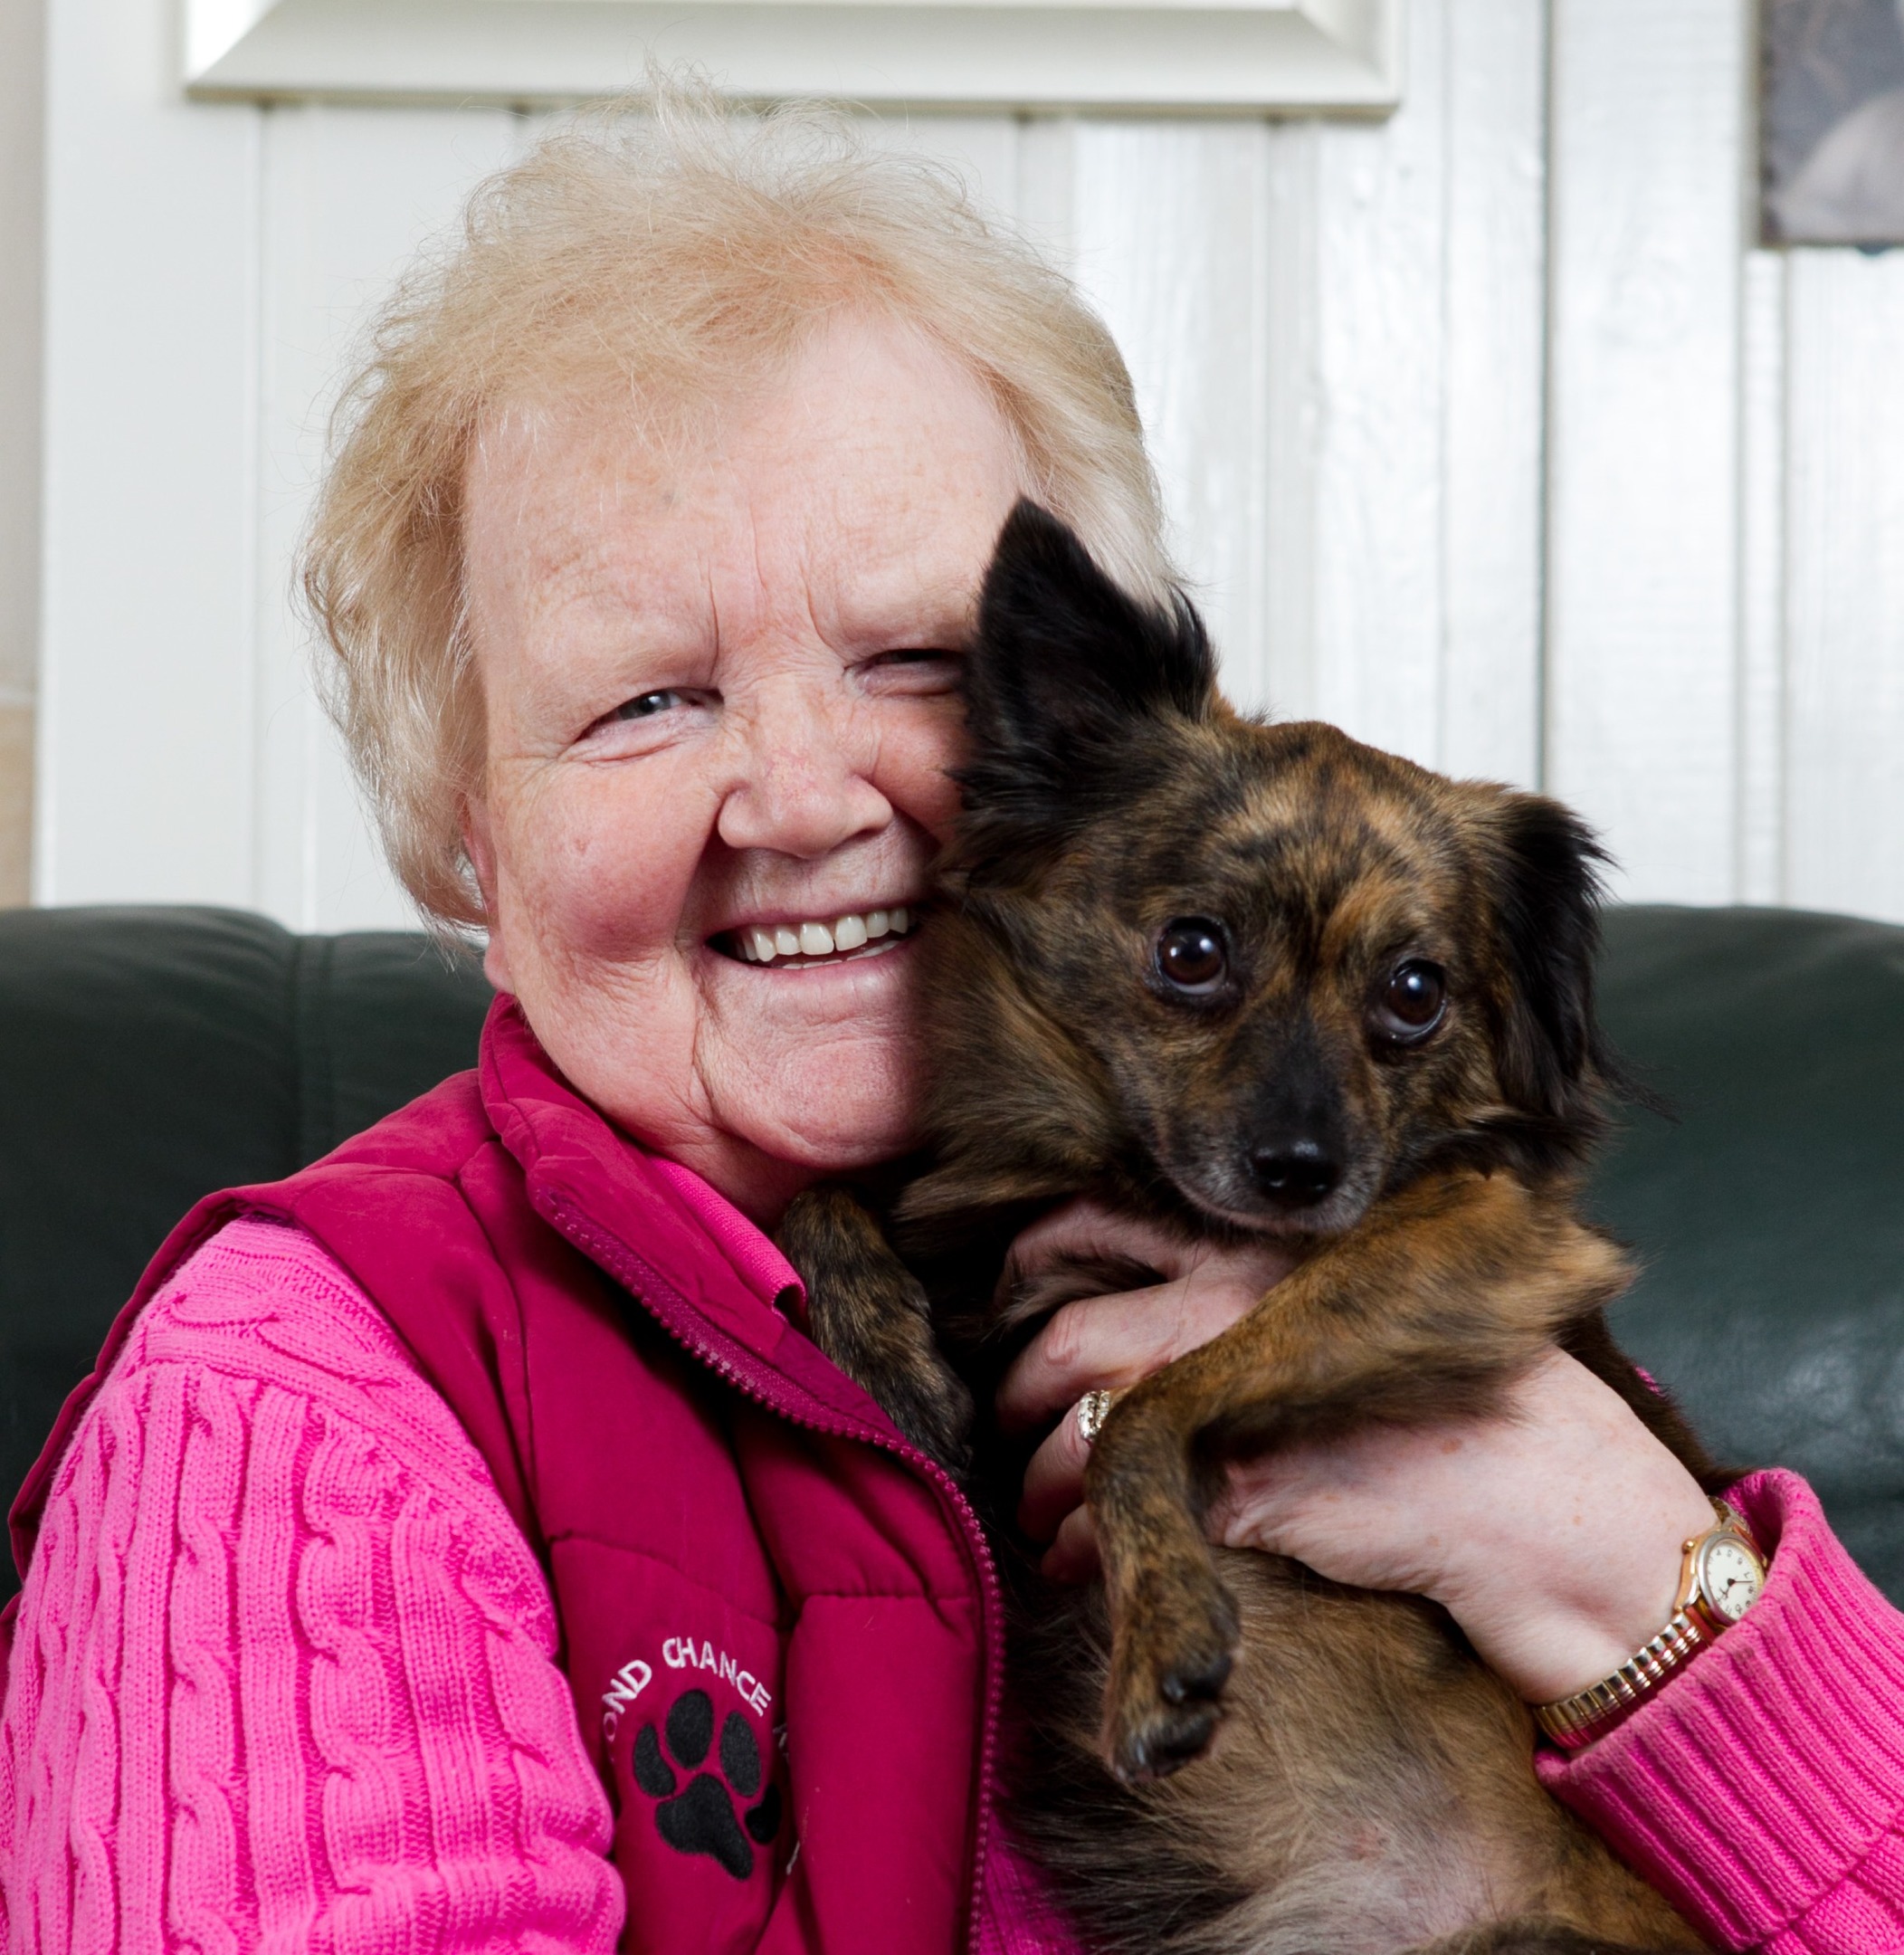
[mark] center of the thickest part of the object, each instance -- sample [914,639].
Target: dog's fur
[1222,1751]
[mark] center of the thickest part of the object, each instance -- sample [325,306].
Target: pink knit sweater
[284,1677]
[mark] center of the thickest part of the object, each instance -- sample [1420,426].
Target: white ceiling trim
[1183,56]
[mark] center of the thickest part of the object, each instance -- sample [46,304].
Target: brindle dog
[1248,979]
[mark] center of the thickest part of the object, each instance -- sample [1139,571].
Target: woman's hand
[1551,1531]
[1112,1342]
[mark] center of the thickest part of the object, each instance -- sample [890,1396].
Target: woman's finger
[1117,1340]
[1072,1556]
[1054,1481]
[1112,1340]
[1083,1231]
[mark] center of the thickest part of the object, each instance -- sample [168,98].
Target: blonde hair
[667,251]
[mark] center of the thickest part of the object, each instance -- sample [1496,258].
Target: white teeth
[854,931]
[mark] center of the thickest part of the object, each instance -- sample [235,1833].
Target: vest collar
[603,1191]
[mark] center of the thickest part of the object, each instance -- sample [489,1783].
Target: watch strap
[1578,1719]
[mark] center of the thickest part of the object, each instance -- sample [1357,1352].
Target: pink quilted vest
[780,1622]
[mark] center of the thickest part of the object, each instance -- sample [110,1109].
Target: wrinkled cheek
[589,918]
[607,887]
[940,809]
[915,772]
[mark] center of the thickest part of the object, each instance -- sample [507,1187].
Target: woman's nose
[805,785]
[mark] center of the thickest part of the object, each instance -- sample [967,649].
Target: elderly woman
[462,1546]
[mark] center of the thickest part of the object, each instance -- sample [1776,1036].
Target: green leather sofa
[150,1055]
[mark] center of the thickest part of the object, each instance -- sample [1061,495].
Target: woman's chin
[837,1145]
[844,1105]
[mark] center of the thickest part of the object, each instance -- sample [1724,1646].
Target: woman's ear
[479,845]
[1065,665]
[1546,898]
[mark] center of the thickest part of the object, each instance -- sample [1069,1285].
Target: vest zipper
[757,1380]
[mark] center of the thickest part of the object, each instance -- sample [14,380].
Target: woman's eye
[913,669]
[645,705]
[1191,955]
[1414,1000]
[620,733]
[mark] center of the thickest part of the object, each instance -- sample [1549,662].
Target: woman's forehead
[858,381]
[871,475]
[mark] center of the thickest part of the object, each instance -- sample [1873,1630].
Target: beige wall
[22,195]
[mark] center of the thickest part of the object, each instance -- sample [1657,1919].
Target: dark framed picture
[1832,121]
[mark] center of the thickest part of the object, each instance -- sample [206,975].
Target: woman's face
[720,707]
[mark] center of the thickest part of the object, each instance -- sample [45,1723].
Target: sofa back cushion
[149,1056]
[1770,1217]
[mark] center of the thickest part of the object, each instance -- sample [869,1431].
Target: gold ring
[1093,1409]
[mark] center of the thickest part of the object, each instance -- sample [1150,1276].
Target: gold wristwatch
[1721,1576]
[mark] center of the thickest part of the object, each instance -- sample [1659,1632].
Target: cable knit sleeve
[284,1672]
[1763,1790]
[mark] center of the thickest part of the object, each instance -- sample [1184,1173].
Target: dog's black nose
[1294,1173]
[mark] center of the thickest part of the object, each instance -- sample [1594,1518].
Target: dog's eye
[1190,954]
[1414,1000]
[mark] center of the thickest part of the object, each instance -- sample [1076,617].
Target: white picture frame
[1146,56]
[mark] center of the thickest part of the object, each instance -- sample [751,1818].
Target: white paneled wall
[1646,212]
[1484,433]
[1842,604]
[346,193]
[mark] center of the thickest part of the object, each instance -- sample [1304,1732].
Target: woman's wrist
[1550,1653]
[1560,1604]
[1722,1572]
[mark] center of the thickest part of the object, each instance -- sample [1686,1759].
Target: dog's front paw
[1171,1656]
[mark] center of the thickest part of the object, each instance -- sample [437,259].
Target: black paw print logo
[701,1820]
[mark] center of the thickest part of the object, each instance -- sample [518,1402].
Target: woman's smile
[800,944]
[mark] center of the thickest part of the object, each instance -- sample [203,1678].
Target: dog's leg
[1436,1299]
[868,1313]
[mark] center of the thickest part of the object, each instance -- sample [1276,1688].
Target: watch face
[1730,1577]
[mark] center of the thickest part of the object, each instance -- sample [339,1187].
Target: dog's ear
[1064,665]
[1548,892]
